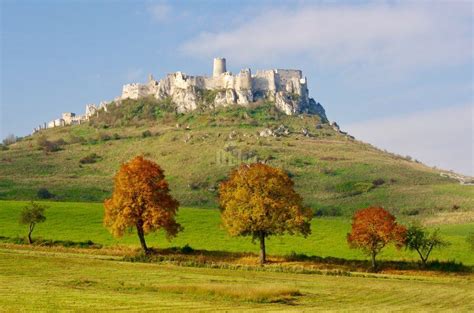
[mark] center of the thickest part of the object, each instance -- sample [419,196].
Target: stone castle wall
[286,87]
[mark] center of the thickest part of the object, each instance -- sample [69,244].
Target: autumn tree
[421,240]
[141,200]
[372,229]
[31,215]
[260,201]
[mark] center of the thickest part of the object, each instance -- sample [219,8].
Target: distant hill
[335,173]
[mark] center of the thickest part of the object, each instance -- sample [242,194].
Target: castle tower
[219,67]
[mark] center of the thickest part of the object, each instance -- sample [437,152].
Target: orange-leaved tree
[141,200]
[259,201]
[372,229]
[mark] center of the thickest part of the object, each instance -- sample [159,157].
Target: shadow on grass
[52,243]
[187,256]
[295,263]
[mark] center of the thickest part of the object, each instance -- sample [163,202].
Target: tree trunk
[423,260]
[32,226]
[141,235]
[263,256]
[374,265]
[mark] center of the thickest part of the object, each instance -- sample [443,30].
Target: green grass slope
[334,173]
[38,281]
[80,222]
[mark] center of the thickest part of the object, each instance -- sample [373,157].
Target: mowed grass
[202,230]
[39,281]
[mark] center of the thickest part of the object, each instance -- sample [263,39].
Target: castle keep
[286,88]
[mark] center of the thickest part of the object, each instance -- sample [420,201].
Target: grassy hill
[335,173]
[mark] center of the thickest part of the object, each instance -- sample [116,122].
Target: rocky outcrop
[287,89]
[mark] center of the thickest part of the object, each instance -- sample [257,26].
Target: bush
[410,212]
[89,159]
[378,182]
[147,133]
[352,188]
[10,139]
[116,136]
[76,139]
[187,249]
[104,137]
[50,146]
[44,193]
[331,211]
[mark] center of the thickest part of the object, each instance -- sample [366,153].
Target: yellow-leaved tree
[141,200]
[259,201]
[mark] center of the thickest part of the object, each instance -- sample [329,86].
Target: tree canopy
[372,229]
[259,201]
[141,200]
[423,241]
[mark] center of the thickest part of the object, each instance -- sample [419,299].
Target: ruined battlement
[287,88]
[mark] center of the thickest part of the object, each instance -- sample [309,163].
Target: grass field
[83,221]
[333,172]
[38,281]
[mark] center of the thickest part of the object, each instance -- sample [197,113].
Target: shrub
[10,139]
[76,139]
[331,211]
[378,182]
[410,212]
[104,137]
[50,146]
[352,188]
[44,193]
[147,133]
[187,249]
[89,159]
[116,136]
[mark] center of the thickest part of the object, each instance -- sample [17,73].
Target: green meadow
[83,221]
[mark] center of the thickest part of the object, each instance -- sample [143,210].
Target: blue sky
[396,74]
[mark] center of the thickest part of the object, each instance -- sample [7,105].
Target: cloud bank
[394,37]
[442,138]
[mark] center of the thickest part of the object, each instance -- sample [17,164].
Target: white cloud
[388,37]
[160,12]
[442,138]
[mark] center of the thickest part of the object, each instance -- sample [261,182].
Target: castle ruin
[285,87]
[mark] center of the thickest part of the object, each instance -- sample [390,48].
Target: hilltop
[334,172]
[286,89]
